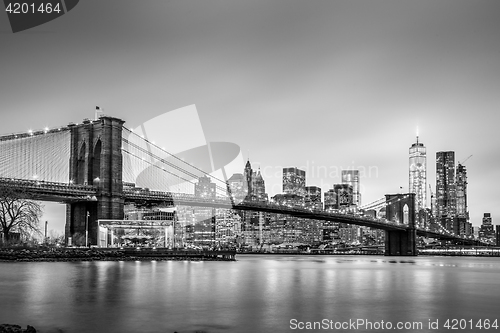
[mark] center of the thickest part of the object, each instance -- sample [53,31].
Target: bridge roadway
[169,198]
[51,191]
[66,192]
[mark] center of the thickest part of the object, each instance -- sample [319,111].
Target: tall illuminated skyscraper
[418,174]
[351,177]
[446,199]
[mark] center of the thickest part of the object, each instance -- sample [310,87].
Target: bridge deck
[66,192]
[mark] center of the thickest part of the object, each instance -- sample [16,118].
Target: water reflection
[254,294]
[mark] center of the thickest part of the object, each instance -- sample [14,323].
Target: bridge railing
[47,186]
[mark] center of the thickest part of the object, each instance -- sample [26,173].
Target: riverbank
[8,328]
[79,254]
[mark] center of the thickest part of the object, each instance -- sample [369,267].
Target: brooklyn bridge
[98,166]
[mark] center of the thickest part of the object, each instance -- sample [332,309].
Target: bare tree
[18,213]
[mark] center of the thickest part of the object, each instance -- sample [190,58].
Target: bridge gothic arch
[81,165]
[401,209]
[96,161]
[406,219]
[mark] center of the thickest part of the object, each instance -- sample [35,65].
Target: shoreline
[84,254]
[429,254]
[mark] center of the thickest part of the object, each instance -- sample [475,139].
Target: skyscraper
[486,232]
[294,181]
[462,225]
[418,175]
[330,200]
[461,191]
[313,197]
[254,185]
[247,185]
[339,197]
[236,185]
[446,206]
[201,229]
[351,177]
[258,187]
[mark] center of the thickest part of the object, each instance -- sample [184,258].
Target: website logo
[190,156]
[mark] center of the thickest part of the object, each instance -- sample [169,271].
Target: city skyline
[314,85]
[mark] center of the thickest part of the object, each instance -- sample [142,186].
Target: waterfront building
[350,234]
[418,177]
[330,233]
[445,189]
[158,227]
[294,181]
[351,177]
[227,227]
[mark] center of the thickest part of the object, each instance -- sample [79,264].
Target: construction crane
[464,160]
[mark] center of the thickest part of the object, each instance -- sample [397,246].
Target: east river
[256,293]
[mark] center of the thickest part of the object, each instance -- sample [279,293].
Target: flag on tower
[97,109]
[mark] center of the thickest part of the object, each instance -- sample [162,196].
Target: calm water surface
[257,293]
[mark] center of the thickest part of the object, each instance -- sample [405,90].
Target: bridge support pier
[95,159]
[401,243]
[400,208]
[80,218]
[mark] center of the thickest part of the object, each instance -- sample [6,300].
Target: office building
[445,189]
[254,185]
[294,181]
[344,195]
[351,177]
[313,197]
[462,225]
[486,232]
[330,199]
[236,186]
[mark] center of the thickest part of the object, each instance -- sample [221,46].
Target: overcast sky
[313,84]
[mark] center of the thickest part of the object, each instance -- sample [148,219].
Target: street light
[87,229]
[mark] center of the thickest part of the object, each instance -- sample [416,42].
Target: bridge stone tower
[95,159]
[401,208]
